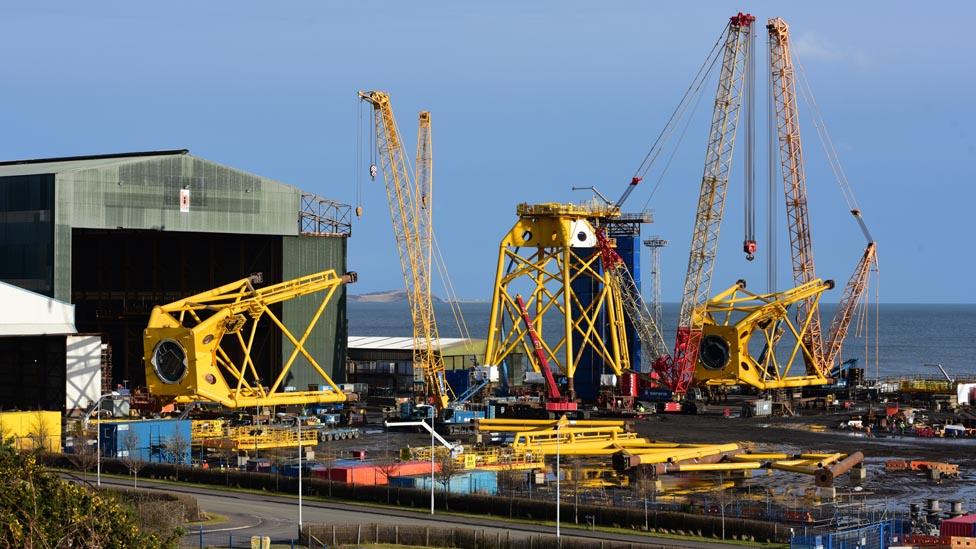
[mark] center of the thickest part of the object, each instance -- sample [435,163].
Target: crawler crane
[677,370]
[409,197]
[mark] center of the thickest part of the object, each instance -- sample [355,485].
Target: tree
[577,479]
[38,509]
[512,479]
[132,455]
[448,468]
[388,467]
[179,446]
[82,454]
[328,460]
[40,435]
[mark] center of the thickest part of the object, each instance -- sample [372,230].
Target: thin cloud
[813,47]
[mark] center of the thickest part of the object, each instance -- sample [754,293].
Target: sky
[527,99]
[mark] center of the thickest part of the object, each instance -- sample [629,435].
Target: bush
[38,509]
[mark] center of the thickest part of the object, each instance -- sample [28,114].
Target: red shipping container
[373,475]
[964,526]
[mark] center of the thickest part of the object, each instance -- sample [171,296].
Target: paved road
[276,516]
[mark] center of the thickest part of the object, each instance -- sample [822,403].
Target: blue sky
[527,100]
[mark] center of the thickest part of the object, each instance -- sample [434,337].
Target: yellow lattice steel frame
[261,437]
[201,325]
[547,255]
[409,197]
[736,315]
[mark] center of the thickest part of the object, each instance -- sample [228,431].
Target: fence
[880,535]
[335,535]
[669,522]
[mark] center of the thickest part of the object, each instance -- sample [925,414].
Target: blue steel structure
[625,230]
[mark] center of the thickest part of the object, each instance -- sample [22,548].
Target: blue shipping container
[469,482]
[154,440]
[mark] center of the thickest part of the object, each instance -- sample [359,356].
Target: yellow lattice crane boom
[783,86]
[190,353]
[410,212]
[677,371]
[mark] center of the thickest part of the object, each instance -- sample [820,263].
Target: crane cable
[749,224]
[449,291]
[359,160]
[669,128]
[840,176]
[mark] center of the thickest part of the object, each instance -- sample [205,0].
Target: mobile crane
[556,402]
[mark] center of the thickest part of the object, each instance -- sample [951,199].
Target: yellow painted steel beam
[692,467]
[551,423]
[758,456]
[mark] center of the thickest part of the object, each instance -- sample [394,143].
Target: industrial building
[45,364]
[116,234]
[386,363]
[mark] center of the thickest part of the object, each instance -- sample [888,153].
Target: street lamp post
[98,437]
[299,474]
[558,499]
[563,421]
[431,460]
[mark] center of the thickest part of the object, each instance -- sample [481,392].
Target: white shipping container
[964,391]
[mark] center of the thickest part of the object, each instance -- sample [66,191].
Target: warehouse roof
[71,163]
[27,313]
[406,343]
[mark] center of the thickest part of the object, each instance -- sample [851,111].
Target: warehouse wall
[145,194]
[26,225]
[302,255]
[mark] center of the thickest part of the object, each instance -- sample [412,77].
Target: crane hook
[372,171]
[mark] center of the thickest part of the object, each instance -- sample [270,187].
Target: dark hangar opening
[117,276]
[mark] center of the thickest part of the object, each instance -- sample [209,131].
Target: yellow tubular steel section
[691,467]
[757,457]
[518,425]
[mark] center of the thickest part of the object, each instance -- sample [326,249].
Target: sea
[893,340]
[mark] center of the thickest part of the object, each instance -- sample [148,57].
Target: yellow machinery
[551,247]
[409,197]
[199,348]
[729,356]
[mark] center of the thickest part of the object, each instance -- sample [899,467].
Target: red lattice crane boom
[783,86]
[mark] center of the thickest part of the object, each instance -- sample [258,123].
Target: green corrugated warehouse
[117,234]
